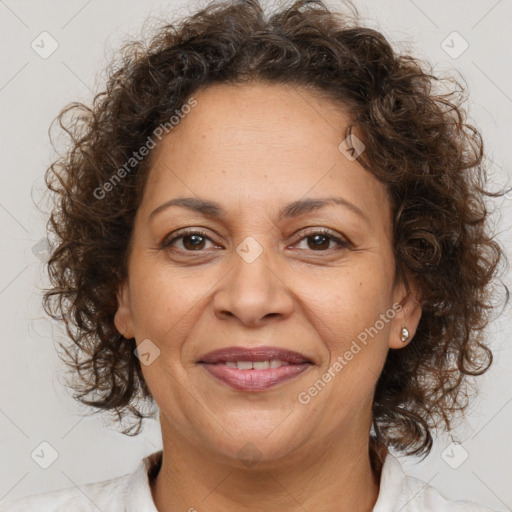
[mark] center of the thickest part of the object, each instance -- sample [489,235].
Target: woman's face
[261,274]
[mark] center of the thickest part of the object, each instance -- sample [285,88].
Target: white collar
[138,490]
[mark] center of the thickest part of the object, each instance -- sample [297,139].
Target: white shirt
[132,493]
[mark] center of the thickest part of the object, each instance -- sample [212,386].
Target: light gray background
[34,406]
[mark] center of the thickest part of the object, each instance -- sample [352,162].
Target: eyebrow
[214,210]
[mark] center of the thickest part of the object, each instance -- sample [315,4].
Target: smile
[255,369]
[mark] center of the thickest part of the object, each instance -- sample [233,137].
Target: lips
[254,369]
[253,354]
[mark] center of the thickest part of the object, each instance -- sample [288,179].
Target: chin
[259,453]
[262,441]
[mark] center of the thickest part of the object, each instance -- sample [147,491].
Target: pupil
[320,237]
[197,238]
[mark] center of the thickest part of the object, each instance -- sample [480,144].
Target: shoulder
[105,495]
[399,491]
[423,497]
[126,493]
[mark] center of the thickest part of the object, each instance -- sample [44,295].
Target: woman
[273,229]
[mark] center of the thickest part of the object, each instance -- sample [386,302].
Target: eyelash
[303,234]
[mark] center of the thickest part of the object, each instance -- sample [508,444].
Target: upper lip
[253,354]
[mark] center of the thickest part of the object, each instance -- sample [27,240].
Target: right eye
[191,239]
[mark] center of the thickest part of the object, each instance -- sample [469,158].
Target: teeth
[256,365]
[261,365]
[276,363]
[244,365]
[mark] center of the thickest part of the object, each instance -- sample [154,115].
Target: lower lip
[254,380]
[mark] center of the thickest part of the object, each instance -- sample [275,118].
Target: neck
[329,476]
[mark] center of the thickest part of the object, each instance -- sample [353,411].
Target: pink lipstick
[254,369]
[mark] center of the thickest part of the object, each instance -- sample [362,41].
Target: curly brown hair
[418,144]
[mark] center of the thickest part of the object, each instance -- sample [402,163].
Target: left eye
[321,241]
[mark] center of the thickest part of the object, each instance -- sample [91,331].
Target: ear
[123,317]
[408,312]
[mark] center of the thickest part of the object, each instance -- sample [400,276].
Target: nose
[253,292]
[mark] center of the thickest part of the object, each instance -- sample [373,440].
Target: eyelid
[339,239]
[180,233]
[312,230]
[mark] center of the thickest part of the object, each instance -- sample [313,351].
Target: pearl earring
[405,335]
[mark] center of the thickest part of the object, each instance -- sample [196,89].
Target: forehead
[257,119]
[260,143]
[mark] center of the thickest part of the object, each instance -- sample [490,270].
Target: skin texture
[253,149]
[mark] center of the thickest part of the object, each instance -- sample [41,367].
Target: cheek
[349,299]
[165,307]
[164,300]
[348,310]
